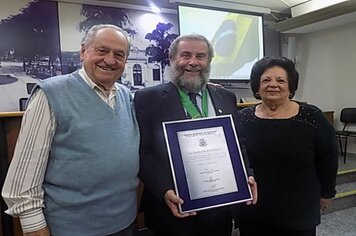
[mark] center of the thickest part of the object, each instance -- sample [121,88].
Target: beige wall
[326,61]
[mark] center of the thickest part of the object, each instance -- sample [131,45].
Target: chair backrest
[29,87]
[348,115]
[23,103]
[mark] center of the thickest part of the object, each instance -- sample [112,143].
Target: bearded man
[190,58]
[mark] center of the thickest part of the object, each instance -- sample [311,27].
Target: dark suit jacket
[155,105]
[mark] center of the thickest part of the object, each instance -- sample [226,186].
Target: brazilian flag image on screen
[235,44]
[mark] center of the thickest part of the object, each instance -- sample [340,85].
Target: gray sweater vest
[91,178]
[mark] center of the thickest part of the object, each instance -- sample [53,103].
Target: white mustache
[190,85]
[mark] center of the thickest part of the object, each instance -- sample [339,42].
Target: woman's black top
[295,163]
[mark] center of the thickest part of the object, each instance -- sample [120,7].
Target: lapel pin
[220,111]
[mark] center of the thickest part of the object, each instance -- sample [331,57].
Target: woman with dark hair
[292,149]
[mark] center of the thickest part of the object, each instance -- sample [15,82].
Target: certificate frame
[243,192]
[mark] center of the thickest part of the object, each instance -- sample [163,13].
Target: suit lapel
[172,102]
[217,100]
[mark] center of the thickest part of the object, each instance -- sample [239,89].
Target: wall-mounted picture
[43,40]
[151,35]
[29,48]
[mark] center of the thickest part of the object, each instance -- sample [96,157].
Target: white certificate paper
[207,162]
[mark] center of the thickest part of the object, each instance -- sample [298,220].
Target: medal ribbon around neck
[189,106]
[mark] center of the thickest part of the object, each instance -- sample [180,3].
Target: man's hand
[41,232]
[253,186]
[172,201]
[325,203]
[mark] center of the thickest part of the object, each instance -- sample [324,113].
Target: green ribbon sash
[189,106]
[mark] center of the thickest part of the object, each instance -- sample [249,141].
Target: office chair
[348,117]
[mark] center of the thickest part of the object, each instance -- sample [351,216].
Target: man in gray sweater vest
[74,170]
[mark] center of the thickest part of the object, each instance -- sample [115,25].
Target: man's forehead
[193,46]
[194,41]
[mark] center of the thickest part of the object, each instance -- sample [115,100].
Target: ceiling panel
[275,5]
[292,3]
[331,16]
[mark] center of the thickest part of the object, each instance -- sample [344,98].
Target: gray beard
[189,85]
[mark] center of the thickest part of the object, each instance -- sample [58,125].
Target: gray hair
[90,35]
[173,49]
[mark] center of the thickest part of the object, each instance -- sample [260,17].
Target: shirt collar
[91,83]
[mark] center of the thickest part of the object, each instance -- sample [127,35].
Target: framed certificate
[206,162]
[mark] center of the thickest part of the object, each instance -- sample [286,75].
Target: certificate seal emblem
[202,142]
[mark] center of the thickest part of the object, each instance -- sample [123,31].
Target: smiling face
[274,85]
[191,65]
[104,57]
